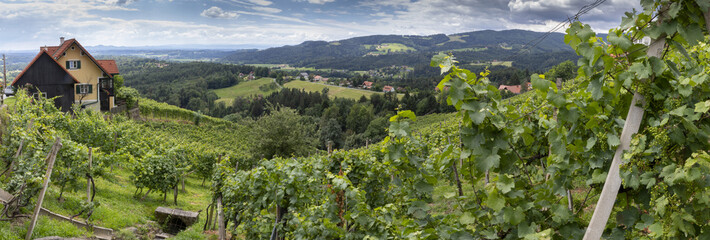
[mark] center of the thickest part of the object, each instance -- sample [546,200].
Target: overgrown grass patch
[118,208]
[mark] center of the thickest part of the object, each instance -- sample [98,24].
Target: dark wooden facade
[45,75]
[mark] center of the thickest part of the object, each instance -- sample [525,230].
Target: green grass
[243,89]
[498,63]
[386,48]
[287,67]
[454,38]
[466,50]
[45,227]
[118,208]
[395,47]
[10,101]
[334,91]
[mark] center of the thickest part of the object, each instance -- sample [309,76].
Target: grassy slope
[243,89]
[117,207]
[334,91]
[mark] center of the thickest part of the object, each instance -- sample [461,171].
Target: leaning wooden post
[220,219]
[88,181]
[330,147]
[613,180]
[19,149]
[50,158]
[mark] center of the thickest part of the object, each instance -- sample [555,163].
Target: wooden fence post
[50,158]
[88,181]
[220,220]
[604,206]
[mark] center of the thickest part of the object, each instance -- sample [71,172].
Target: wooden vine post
[612,184]
[604,206]
[88,181]
[220,220]
[50,159]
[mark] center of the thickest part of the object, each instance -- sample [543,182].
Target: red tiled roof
[66,44]
[512,88]
[50,50]
[367,83]
[109,65]
[34,60]
[63,48]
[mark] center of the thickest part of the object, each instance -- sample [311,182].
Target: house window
[36,95]
[73,64]
[106,82]
[82,53]
[84,88]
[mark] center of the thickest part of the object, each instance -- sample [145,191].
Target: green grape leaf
[621,41]
[467,219]
[513,215]
[628,217]
[505,184]
[540,83]
[612,140]
[702,107]
[488,161]
[692,33]
[525,229]
[495,201]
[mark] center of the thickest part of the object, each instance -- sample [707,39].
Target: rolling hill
[370,52]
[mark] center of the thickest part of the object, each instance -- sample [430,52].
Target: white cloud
[267,9]
[320,1]
[216,12]
[275,17]
[39,10]
[260,2]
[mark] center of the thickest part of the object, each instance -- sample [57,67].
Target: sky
[27,25]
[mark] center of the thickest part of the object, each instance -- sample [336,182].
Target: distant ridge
[371,52]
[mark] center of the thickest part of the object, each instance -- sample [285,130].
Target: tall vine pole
[633,121]
[50,164]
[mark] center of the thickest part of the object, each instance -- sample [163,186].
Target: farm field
[334,91]
[243,89]
[498,63]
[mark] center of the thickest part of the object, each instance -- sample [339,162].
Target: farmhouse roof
[34,60]
[512,88]
[109,65]
[57,51]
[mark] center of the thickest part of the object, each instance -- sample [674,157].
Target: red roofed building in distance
[367,85]
[387,88]
[512,88]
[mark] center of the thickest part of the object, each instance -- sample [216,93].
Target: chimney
[61,40]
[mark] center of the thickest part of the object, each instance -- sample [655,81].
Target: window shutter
[77,89]
[67,66]
[78,64]
[91,88]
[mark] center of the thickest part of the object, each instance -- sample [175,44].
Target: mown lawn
[333,91]
[243,89]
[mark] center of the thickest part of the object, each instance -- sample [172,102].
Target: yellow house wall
[88,73]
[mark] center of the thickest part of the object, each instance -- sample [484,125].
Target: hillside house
[515,88]
[304,75]
[70,73]
[512,88]
[367,85]
[319,78]
[387,88]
